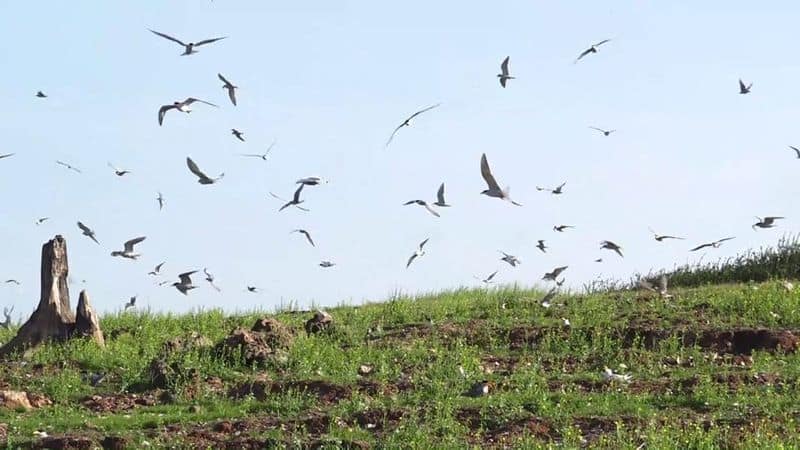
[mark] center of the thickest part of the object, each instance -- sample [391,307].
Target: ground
[714,367]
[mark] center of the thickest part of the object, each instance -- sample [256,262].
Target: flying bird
[551,276]
[592,49]
[75,169]
[295,201]
[202,178]
[156,270]
[494,189]
[440,202]
[744,89]
[7,155]
[511,259]
[188,49]
[238,134]
[661,237]
[12,281]
[118,172]
[503,75]
[419,252]
[180,106]
[540,245]
[128,251]
[558,190]
[41,220]
[407,122]
[796,150]
[160,200]
[488,279]
[185,284]
[551,294]
[422,203]
[252,289]
[41,94]
[87,232]
[766,222]
[306,234]
[262,156]
[715,244]
[659,286]
[605,132]
[561,228]
[210,279]
[611,246]
[230,87]
[326,264]
[131,303]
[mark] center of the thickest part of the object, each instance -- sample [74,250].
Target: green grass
[546,384]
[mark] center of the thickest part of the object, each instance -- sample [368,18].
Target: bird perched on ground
[715,244]
[41,220]
[306,234]
[156,270]
[188,49]
[185,284]
[295,201]
[561,228]
[511,259]
[7,155]
[180,106]
[488,279]
[201,177]
[540,245]
[210,279]
[41,94]
[230,87]
[238,134]
[660,237]
[419,252]
[94,379]
[558,190]
[72,168]
[128,251]
[796,150]
[766,222]
[440,202]
[422,203]
[131,303]
[744,89]
[609,375]
[479,389]
[326,264]
[407,122]
[503,75]
[605,132]
[262,156]
[611,246]
[494,189]
[592,49]
[551,276]
[87,232]
[160,200]
[118,172]
[311,181]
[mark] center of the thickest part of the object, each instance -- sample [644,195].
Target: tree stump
[53,320]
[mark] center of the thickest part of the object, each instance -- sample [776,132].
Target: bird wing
[158,267]
[486,173]
[502,81]
[129,245]
[422,244]
[308,236]
[598,129]
[186,277]
[224,80]
[410,260]
[601,42]
[423,110]
[166,36]
[430,210]
[162,111]
[195,170]
[208,41]
[440,194]
[742,87]
[772,219]
[6,155]
[296,198]
[84,228]
[489,278]
[279,198]
[796,150]
[504,67]
[700,247]
[389,141]
[585,52]
[232,95]
[191,100]
[725,239]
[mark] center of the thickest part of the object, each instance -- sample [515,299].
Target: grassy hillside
[715,367]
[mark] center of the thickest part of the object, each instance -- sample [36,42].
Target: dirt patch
[474,332]
[67,442]
[265,342]
[339,444]
[734,341]
[120,402]
[115,443]
[378,420]
[594,427]
[324,391]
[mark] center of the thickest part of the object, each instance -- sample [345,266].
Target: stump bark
[53,320]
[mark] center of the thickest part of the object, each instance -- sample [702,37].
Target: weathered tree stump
[53,320]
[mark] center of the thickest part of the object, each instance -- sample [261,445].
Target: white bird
[605,132]
[210,279]
[503,75]
[295,201]
[180,106]
[188,49]
[262,156]
[156,270]
[551,294]
[202,178]
[566,322]
[407,122]
[118,172]
[128,251]
[230,87]
[419,252]
[424,204]
[715,244]
[609,375]
[612,246]
[551,276]
[185,283]
[556,191]
[87,232]
[592,49]
[494,189]
[68,166]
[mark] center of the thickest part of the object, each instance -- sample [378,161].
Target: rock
[276,334]
[252,346]
[321,321]
[15,400]
[66,443]
[114,443]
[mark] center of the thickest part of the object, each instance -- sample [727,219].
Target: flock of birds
[185,284]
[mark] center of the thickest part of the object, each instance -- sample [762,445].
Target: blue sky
[329,81]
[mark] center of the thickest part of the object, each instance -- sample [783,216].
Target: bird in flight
[252,289]
[180,106]
[87,232]
[160,200]
[540,245]
[511,259]
[611,246]
[306,234]
[311,181]
[659,286]
[440,202]
[41,220]
[41,94]
[766,222]
[156,270]
[131,303]
[551,294]
[128,250]
[419,252]
[592,49]
[661,237]
[75,169]
[202,178]
[118,172]
[326,264]
[407,122]
[494,189]
[422,203]
[561,228]
[605,132]
[295,201]
[503,75]
[796,150]
[188,49]
[551,276]
[488,279]
[744,89]
[210,279]
[262,156]
[715,244]
[230,87]
[238,134]
[7,155]
[12,281]
[557,191]
[185,284]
